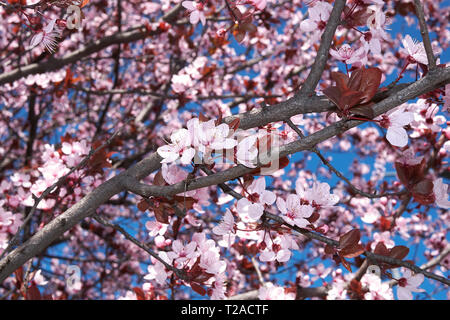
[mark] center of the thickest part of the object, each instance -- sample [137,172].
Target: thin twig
[425,35]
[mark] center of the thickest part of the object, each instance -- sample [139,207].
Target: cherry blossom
[408,284]
[377,290]
[251,208]
[271,292]
[180,148]
[47,37]
[182,253]
[447,97]
[394,121]
[226,226]
[259,4]
[350,56]
[415,51]
[196,11]
[441,193]
[294,213]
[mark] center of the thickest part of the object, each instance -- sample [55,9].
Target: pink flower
[210,262]
[179,148]
[47,37]
[271,292]
[415,51]
[181,82]
[156,228]
[383,237]
[318,17]
[294,212]
[319,194]
[251,208]
[181,253]
[377,289]
[279,249]
[196,11]
[247,151]
[226,226]
[441,193]
[349,55]
[394,121]
[258,4]
[158,271]
[408,284]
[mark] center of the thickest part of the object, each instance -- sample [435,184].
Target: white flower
[271,292]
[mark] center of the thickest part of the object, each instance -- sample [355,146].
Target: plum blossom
[211,263]
[258,4]
[318,195]
[279,249]
[415,51]
[393,121]
[157,271]
[180,253]
[383,237]
[251,208]
[441,193]
[318,16]
[156,228]
[378,290]
[47,37]
[196,11]
[408,284]
[208,137]
[247,151]
[181,82]
[226,226]
[350,56]
[294,213]
[180,148]
[271,292]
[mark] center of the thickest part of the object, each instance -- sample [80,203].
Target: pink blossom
[258,4]
[211,263]
[156,228]
[196,11]
[180,148]
[378,290]
[247,151]
[348,55]
[157,271]
[319,194]
[226,226]
[251,208]
[441,193]
[415,51]
[180,253]
[408,284]
[294,213]
[394,121]
[47,37]
[384,237]
[318,16]
[271,292]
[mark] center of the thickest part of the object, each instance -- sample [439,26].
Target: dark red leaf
[365,111]
[140,295]
[143,205]
[161,214]
[33,293]
[329,249]
[369,84]
[346,264]
[352,252]
[198,288]
[381,249]
[399,252]
[349,239]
